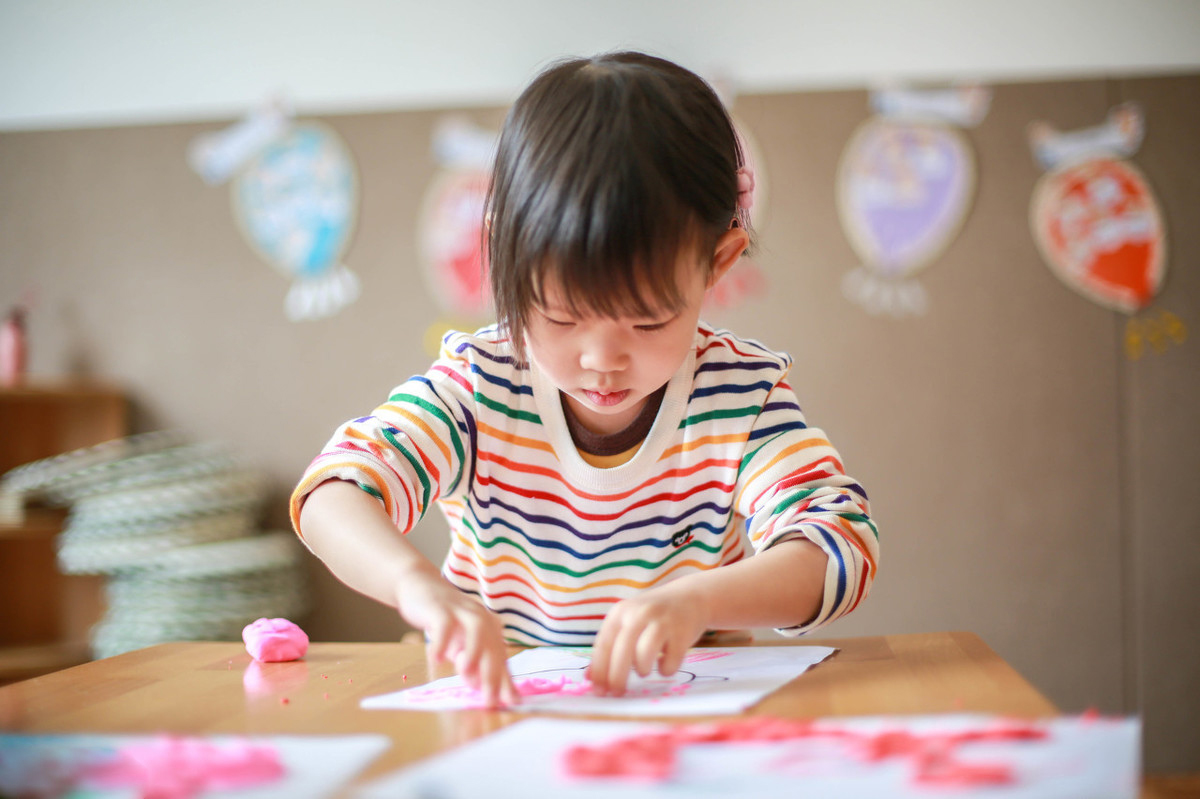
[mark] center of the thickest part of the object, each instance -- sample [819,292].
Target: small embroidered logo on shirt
[681,538]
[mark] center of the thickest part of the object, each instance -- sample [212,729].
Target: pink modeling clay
[651,756]
[648,757]
[274,640]
[180,768]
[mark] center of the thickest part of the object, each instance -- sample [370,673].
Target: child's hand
[462,631]
[654,629]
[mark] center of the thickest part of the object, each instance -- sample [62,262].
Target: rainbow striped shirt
[551,543]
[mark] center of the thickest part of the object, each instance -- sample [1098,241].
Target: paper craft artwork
[760,757]
[451,224]
[551,680]
[172,767]
[295,199]
[450,228]
[904,187]
[1097,222]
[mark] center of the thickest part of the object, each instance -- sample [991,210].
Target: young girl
[607,463]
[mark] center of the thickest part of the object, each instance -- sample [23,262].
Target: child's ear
[729,249]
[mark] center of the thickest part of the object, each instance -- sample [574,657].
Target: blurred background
[1029,444]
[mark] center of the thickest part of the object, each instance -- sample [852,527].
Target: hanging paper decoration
[451,228]
[1098,225]
[295,199]
[1094,217]
[904,186]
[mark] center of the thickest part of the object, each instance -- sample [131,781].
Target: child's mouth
[605,399]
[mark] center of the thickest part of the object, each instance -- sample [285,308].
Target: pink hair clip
[745,186]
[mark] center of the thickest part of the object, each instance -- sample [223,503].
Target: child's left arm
[816,553]
[778,588]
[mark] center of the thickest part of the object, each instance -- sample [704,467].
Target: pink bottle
[13,349]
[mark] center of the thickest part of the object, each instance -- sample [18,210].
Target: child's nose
[604,352]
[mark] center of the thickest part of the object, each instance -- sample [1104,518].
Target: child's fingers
[467,669]
[482,657]
[468,658]
[674,652]
[440,633]
[649,649]
[478,650]
[597,670]
[495,681]
[508,691]
[616,674]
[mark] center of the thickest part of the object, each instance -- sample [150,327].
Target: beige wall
[1031,484]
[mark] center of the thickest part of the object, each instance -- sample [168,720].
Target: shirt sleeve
[791,484]
[410,451]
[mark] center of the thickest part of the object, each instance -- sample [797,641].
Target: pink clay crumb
[701,655]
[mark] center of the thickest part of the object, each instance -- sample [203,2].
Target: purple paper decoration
[904,188]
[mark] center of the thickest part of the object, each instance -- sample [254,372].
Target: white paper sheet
[711,681]
[1079,759]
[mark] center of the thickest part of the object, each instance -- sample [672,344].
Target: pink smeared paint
[274,640]
[700,655]
[472,698]
[535,686]
[652,756]
[529,686]
[179,768]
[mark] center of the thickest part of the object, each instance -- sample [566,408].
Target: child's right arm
[352,534]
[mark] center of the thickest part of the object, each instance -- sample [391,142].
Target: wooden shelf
[45,615]
[44,418]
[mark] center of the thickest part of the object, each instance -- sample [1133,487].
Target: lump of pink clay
[274,640]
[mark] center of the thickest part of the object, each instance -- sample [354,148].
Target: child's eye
[558,322]
[650,328]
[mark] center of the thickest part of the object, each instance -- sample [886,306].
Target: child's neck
[605,444]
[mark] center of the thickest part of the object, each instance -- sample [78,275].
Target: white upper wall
[70,63]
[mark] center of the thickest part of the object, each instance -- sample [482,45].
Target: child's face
[607,367]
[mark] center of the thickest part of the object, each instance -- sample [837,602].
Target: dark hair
[606,170]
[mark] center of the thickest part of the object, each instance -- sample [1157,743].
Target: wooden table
[197,688]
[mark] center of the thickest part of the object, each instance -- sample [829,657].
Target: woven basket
[204,592]
[54,478]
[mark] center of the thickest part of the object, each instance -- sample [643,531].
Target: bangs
[611,258]
[607,173]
